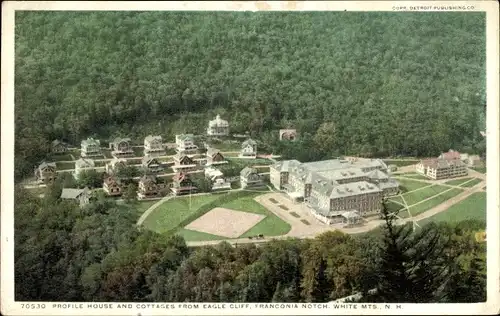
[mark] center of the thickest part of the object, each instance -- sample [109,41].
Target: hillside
[373,84]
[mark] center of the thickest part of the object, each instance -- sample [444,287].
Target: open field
[172,213]
[458,181]
[409,185]
[60,157]
[65,165]
[272,225]
[168,215]
[471,183]
[225,222]
[401,163]
[481,169]
[473,207]
[417,196]
[427,205]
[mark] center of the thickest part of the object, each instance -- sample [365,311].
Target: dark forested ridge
[63,253]
[351,82]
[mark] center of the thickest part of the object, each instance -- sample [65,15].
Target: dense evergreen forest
[352,83]
[64,253]
[357,83]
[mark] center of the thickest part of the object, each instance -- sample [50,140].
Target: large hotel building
[334,188]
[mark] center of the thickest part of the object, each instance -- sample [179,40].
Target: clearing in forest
[225,222]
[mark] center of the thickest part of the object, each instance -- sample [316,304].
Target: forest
[352,83]
[64,253]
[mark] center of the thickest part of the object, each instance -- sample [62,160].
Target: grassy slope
[473,207]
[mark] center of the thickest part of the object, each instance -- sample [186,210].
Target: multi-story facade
[90,147]
[248,149]
[46,172]
[184,163]
[218,127]
[114,165]
[83,164]
[219,182]
[121,147]
[214,157]
[440,168]
[151,164]
[151,187]
[153,146]
[112,186]
[333,187]
[185,144]
[182,184]
[250,177]
[58,147]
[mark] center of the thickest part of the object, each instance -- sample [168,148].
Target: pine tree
[414,265]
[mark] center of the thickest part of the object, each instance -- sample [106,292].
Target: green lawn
[473,207]
[409,185]
[193,235]
[416,176]
[471,183]
[401,163]
[417,196]
[480,169]
[272,225]
[393,207]
[168,215]
[65,165]
[457,181]
[138,151]
[427,205]
[61,157]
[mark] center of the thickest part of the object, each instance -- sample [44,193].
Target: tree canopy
[367,83]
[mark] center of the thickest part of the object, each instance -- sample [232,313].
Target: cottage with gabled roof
[115,164]
[248,149]
[90,147]
[214,157]
[121,147]
[218,127]
[185,144]
[150,187]
[112,186]
[250,177]
[153,146]
[46,172]
[219,182]
[182,184]
[184,163]
[58,147]
[81,196]
[151,164]
[83,164]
